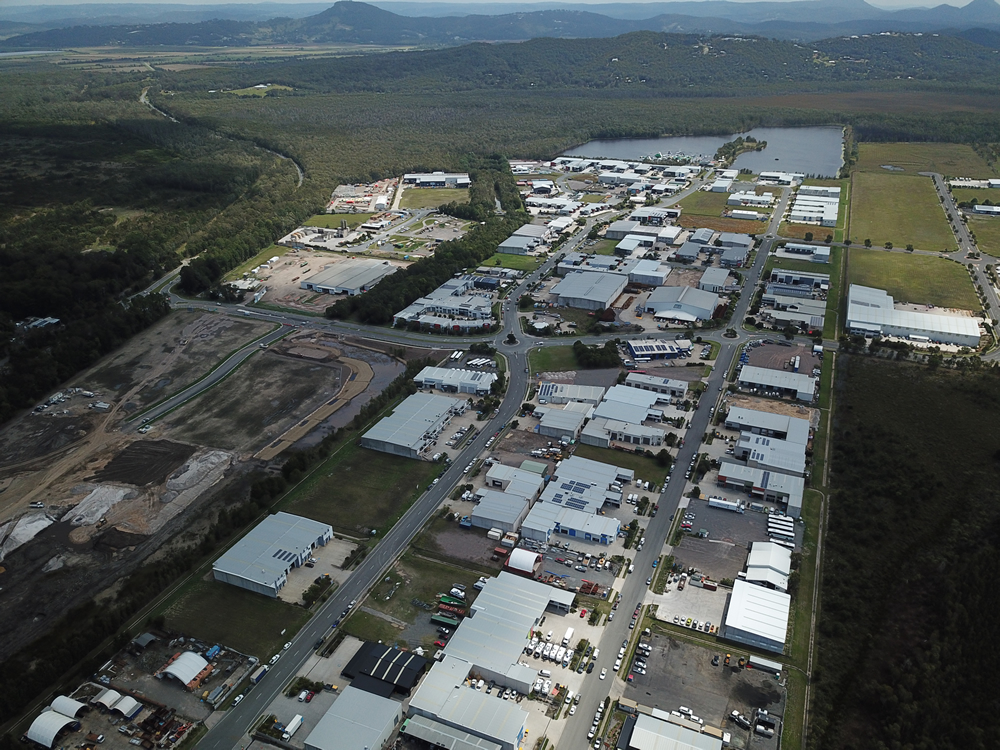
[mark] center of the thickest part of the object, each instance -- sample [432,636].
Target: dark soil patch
[145,462]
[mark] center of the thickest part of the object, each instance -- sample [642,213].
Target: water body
[817,150]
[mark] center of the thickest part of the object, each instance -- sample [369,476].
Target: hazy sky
[889,4]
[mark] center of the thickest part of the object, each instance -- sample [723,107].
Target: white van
[631,568]
[544,673]
[597,652]
[479,685]
[302,696]
[569,697]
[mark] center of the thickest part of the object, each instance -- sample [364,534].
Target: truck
[720,502]
[292,728]
[258,674]
[568,637]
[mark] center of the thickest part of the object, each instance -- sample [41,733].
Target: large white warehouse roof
[186,667]
[47,727]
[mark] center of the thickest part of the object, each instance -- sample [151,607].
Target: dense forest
[912,556]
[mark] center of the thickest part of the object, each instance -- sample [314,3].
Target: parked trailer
[718,502]
[457,354]
[568,637]
[778,534]
[445,620]
[258,675]
[292,728]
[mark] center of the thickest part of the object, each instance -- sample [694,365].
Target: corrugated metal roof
[653,734]
[357,720]
[407,425]
[758,610]
[441,735]
[351,274]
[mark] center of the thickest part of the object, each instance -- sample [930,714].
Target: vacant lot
[357,489]
[603,247]
[980,195]
[987,231]
[552,359]
[262,257]
[256,404]
[219,613]
[922,279]
[695,221]
[949,159]
[145,462]
[332,221]
[701,203]
[901,209]
[432,197]
[645,468]
[517,262]
[418,578]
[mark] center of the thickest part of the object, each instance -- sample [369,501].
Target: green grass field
[591,198]
[332,221]
[603,247]
[517,262]
[552,359]
[432,197]
[701,203]
[645,468]
[987,231]
[219,613]
[981,195]
[358,489]
[901,209]
[263,255]
[949,159]
[421,579]
[370,627]
[921,279]
[793,264]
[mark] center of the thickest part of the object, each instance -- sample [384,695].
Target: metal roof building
[602,432]
[514,481]
[688,252]
[734,257]
[590,290]
[517,244]
[262,559]
[560,424]
[762,452]
[770,485]
[872,312]
[654,734]
[702,236]
[618,230]
[67,706]
[414,425]
[682,303]
[563,393]
[400,669]
[356,721]
[499,510]
[48,725]
[547,519]
[441,735]
[802,387]
[186,667]
[731,239]
[714,280]
[665,386]
[455,380]
[658,348]
[351,277]
[437,179]
[756,616]
[769,565]
[791,429]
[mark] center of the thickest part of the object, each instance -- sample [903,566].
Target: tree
[809,236]
[664,459]
[909,248]
[868,242]
[888,246]
[829,239]
[528,407]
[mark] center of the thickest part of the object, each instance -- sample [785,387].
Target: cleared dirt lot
[145,462]
[256,404]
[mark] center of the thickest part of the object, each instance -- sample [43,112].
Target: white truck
[292,728]
[568,637]
[720,502]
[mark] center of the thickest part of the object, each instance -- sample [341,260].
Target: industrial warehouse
[756,616]
[414,425]
[455,380]
[358,720]
[262,560]
[350,277]
[872,312]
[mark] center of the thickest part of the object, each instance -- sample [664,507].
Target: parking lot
[692,602]
[681,674]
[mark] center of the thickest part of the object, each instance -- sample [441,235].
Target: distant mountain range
[362,23]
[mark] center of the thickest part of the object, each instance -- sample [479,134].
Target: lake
[24,54]
[817,150]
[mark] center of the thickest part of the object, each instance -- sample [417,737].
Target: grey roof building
[689,252]
[590,290]
[683,303]
[564,393]
[351,277]
[702,236]
[414,425]
[517,244]
[357,720]
[262,559]
[734,257]
[455,380]
[560,424]
[714,280]
[499,510]
[757,616]
[796,384]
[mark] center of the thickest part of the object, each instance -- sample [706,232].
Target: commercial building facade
[414,425]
